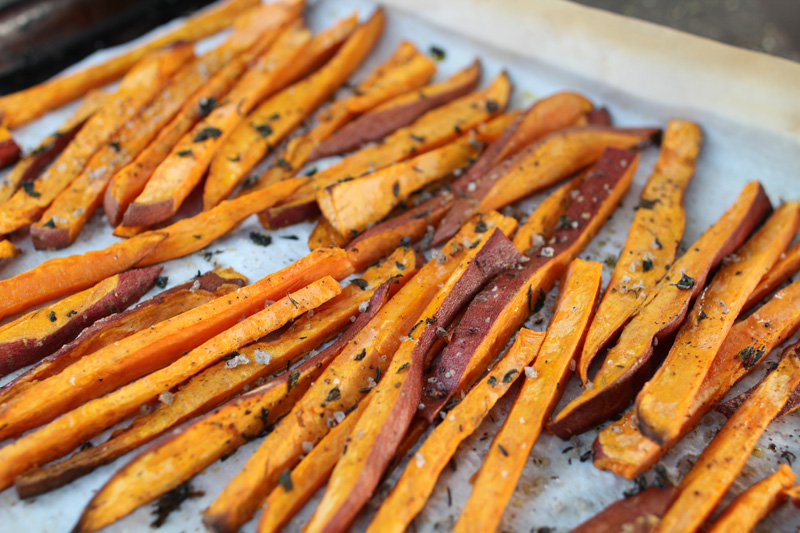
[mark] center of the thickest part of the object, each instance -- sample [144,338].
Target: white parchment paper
[748,107]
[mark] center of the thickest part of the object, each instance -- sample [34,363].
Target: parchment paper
[747,104]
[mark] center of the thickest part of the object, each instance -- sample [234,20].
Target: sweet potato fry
[66,275]
[77,426]
[663,403]
[536,167]
[538,396]
[623,449]
[195,233]
[787,265]
[35,162]
[37,334]
[435,128]
[409,227]
[7,251]
[156,347]
[188,160]
[21,107]
[753,505]
[138,87]
[116,327]
[540,225]
[323,234]
[720,463]
[398,112]
[274,119]
[182,454]
[660,214]
[630,363]
[357,367]
[794,494]
[546,116]
[221,382]
[350,206]
[379,431]
[637,514]
[237,53]
[10,151]
[412,490]
[300,149]
[495,315]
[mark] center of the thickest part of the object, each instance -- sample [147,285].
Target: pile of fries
[421,350]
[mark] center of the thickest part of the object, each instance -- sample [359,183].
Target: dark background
[39,38]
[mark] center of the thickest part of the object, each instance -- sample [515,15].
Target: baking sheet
[645,74]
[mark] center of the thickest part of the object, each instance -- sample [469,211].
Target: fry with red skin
[358,363]
[434,129]
[753,505]
[219,383]
[274,119]
[180,455]
[66,275]
[153,348]
[637,514]
[412,490]
[663,403]
[787,265]
[177,175]
[10,152]
[398,112]
[660,214]
[380,430]
[300,149]
[495,315]
[630,363]
[35,162]
[136,90]
[623,449]
[39,333]
[703,487]
[21,107]
[116,327]
[351,206]
[537,398]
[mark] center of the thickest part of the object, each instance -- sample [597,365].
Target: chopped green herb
[265,130]
[334,394]
[492,106]
[41,149]
[52,316]
[502,450]
[294,302]
[207,133]
[162,281]
[49,224]
[285,480]
[311,171]
[492,381]
[235,159]
[360,283]
[27,186]
[404,366]
[115,146]
[481,227]
[685,283]
[361,355]
[509,377]
[644,203]
[293,377]
[399,265]
[206,106]
[260,239]
[185,153]
[437,53]
[283,163]
[647,265]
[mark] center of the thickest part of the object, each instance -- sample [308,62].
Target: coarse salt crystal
[531,372]
[237,360]
[308,446]
[166,397]
[262,357]
[420,460]
[363,307]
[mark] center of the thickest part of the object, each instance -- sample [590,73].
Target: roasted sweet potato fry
[21,107]
[243,47]
[410,227]
[77,426]
[153,348]
[39,333]
[273,120]
[10,151]
[62,276]
[623,449]
[41,156]
[663,403]
[7,251]
[380,430]
[539,165]
[182,454]
[412,490]
[540,225]
[720,463]
[630,363]
[300,149]
[222,381]
[116,327]
[495,315]
[138,87]
[188,160]
[660,214]
[435,128]
[357,367]
[787,265]
[398,112]
[753,505]
[637,514]
[323,234]
[540,392]
[350,206]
